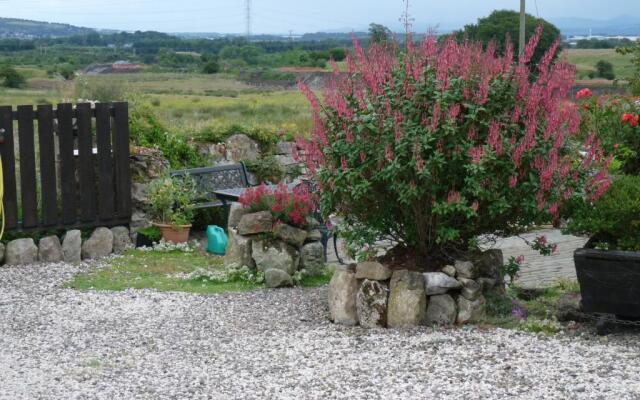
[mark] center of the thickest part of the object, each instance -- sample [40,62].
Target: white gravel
[57,343]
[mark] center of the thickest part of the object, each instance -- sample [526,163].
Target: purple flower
[518,311]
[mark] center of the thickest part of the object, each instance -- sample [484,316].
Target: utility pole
[523,10]
[248,17]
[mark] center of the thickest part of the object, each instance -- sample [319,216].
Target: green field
[187,104]
[586,59]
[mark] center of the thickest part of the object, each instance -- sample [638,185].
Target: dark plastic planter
[143,240]
[609,281]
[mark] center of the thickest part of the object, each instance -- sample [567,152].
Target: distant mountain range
[620,26]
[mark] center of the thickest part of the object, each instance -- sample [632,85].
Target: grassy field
[586,59]
[186,103]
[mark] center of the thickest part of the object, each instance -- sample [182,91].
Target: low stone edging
[371,295]
[71,249]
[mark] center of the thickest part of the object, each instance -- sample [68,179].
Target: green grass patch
[158,270]
[168,272]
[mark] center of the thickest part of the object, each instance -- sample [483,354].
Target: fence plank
[67,163]
[9,168]
[106,206]
[28,188]
[85,155]
[121,158]
[49,193]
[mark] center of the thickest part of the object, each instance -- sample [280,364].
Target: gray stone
[139,195]
[275,278]
[50,249]
[121,239]
[312,223]
[259,222]
[238,250]
[274,254]
[371,303]
[466,269]
[290,234]
[471,310]
[343,290]
[312,257]
[439,283]
[449,270]
[286,160]
[21,251]
[486,283]
[441,310]
[72,246]
[99,245]
[314,235]
[240,147]
[236,211]
[285,148]
[372,270]
[471,289]
[569,307]
[407,299]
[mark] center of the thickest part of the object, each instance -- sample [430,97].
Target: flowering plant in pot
[434,145]
[172,202]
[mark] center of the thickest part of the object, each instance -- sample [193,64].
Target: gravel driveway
[61,344]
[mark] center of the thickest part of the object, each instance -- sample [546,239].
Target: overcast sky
[280,16]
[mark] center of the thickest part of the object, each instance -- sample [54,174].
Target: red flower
[631,119]
[584,93]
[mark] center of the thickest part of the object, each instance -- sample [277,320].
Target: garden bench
[211,179]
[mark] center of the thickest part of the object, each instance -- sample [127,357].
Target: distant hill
[22,28]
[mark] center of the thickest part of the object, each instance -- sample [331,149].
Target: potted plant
[608,267]
[147,236]
[172,205]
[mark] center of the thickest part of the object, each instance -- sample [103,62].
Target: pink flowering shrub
[289,206]
[441,142]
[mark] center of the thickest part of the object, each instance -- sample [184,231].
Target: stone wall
[280,250]
[371,295]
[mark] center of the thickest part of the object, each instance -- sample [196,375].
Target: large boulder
[440,283]
[466,269]
[489,263]
[240,147]
[569,307]
[343,290]
[441,310]
[259,222]
[371,304]
[312,257]
[274,254]
[50,249]
[121,239]
[236,211]
[72,246]
[285,148]
[372,270]
[290,234]
[275,278]
[99,245]
[407,299]
[449,270]
[21,251]
[471,310]
[238,250]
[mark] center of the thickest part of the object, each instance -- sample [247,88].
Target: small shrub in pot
[172,206]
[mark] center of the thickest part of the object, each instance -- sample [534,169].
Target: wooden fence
[65,167]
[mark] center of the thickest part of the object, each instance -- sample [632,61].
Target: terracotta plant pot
[174,234]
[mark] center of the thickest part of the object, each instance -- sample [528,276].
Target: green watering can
[216,240]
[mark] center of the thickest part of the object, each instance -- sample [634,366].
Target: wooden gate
[65,167]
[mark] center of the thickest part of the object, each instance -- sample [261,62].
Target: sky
[298,16]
